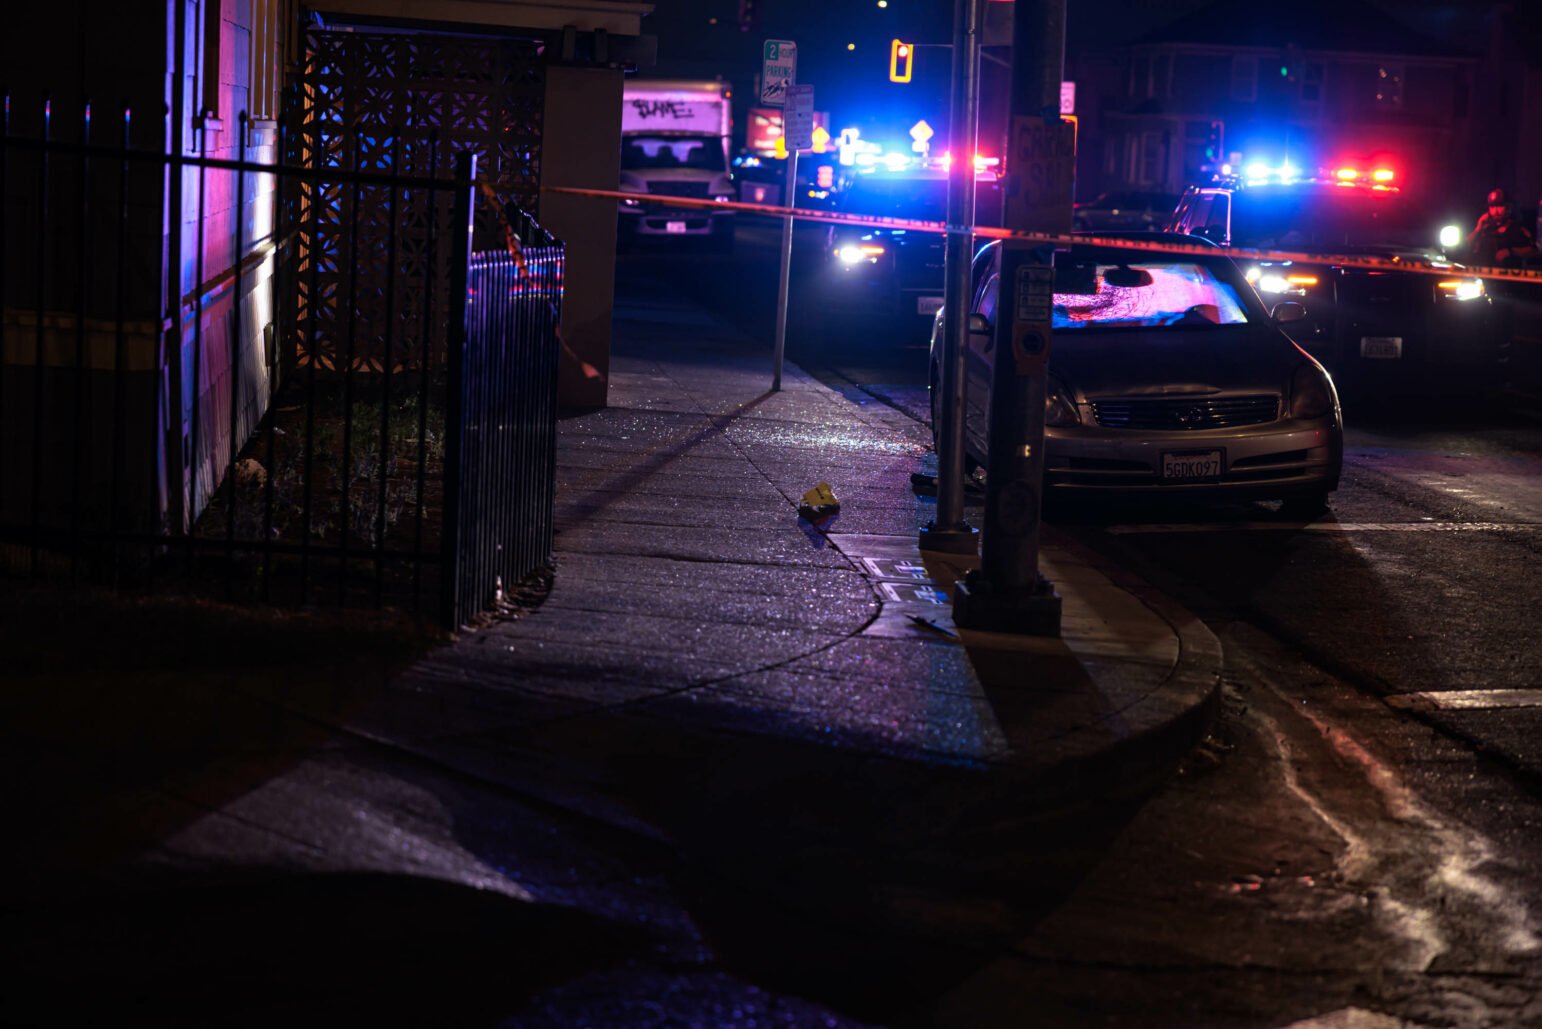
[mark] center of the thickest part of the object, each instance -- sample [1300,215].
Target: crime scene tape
[1360,261]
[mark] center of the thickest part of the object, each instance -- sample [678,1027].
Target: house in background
[1225,85]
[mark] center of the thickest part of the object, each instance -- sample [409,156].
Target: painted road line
[1323,527]
[1466,700]
[896,569]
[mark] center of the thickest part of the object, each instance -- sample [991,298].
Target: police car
[1168,377]
[886,282]
[1379,331]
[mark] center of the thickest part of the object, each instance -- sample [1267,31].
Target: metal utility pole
[790,197]
[950,533]
[1007,593]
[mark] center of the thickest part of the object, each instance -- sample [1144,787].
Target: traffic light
[900,54]
[1290,64]
[1215,144]
[749,15]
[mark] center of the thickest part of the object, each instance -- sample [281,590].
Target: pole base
[963,539]
[1034,611]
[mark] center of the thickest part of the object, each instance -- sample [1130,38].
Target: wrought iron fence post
[38,357]
[5,161]
[83,271]
[235,358]
[425,334]
[191,522]
[119,348]
[349,301]
[455,345]
[392,229]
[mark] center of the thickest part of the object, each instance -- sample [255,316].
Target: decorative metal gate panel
[402,103]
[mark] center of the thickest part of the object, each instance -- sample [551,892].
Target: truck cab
[674,142]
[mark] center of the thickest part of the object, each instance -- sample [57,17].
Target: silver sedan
[1167,376]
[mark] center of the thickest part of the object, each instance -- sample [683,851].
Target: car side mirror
[1287,311]
[978,325]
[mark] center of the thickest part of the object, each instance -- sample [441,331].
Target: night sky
[702,39]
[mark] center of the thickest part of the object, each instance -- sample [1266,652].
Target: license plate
[928,305]
[1191,465]
[674,227]
[1381,347]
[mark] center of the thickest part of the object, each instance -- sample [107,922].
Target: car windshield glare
[702,153]
[1142,294]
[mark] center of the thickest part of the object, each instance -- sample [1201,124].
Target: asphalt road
[1360,842]
[1418,587]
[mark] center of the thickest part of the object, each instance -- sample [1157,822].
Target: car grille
[1185,412]
[919,265]
[1387,294]
[677,189]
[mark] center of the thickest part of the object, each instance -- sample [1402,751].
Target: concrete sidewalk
[691,598]
[727,739]
[688,586]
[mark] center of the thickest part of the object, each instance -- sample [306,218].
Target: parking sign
[778,70]
[798,117]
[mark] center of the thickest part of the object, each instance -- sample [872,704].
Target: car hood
[1177,363]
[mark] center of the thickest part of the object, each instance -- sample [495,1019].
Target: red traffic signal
[900,55]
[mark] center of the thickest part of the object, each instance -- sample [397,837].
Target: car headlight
[1311,392]
[1059,406]
[1277,282]
[723,198]
[856,253]
[1461,289]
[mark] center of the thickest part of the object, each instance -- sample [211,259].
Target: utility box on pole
[1008,593]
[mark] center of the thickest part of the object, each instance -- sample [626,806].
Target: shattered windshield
[1142,294]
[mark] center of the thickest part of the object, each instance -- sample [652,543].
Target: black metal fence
[176,413]
[504,454]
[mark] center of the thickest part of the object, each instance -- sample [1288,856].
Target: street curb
[1174,718]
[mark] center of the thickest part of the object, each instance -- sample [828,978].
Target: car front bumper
[675,221]
[1280,459]
[1393,334]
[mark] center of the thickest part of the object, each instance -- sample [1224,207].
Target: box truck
[674,142]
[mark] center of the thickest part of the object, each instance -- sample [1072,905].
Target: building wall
[225,222]
[581,148]
[1314,106]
